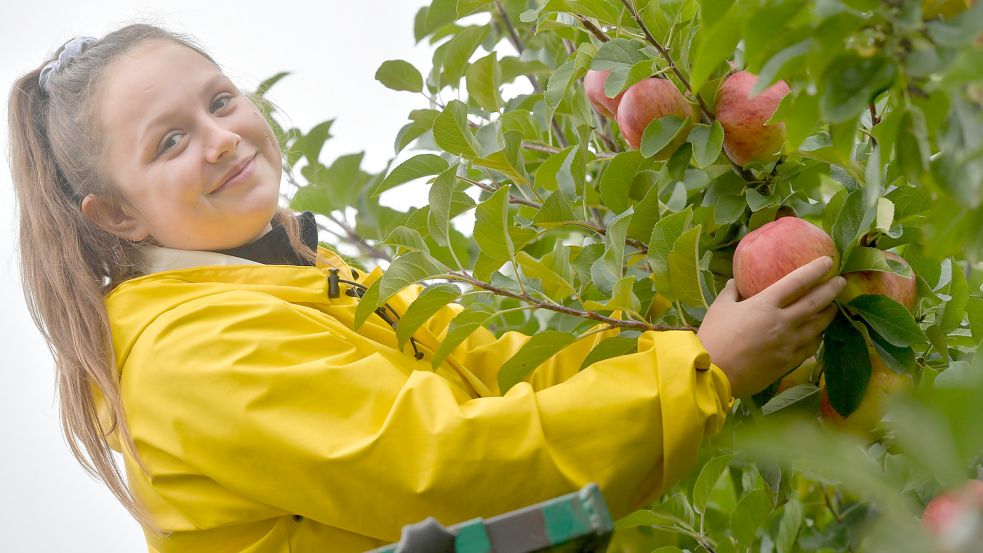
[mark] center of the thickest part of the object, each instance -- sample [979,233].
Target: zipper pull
[334,291]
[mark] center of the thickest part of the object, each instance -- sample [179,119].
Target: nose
[220,141]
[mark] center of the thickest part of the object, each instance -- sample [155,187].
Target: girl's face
[176,129]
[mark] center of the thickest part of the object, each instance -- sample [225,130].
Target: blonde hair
[68,263]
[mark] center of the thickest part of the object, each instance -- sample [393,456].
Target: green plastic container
[574,522]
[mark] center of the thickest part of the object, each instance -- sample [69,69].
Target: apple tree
[595,164]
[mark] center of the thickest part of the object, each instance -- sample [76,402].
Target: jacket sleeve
[276,403]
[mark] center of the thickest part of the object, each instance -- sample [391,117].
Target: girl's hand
[758,340]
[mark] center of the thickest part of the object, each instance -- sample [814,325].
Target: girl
[193,332]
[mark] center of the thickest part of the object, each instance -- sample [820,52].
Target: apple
[955,518]
[800,375]
[647,100]
[594,87]
[864,420]
[767,254]
[746,136]
[900,289]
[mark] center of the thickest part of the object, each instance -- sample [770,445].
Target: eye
[167,141]
[220,98]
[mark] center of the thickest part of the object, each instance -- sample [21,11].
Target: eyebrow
[150,129]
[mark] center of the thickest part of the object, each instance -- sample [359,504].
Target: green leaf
[405,270]
[853,221]
[779,64]
[451,132]
[484,78]
[788,528]
[460,327]
[684,268]
[367,304]
[974,311]
[421,122]
[645,517]
[707,141]
[800,113]
[716,45]
[873,259]
[556,210]
[554,285]
[847,365]
[405,237]
[440,13]
[664,237]
[850,82]
[532,354]
[618,53]
[617,178]
[491,226]
[615,346]
[428,303]
[789,397]
[418,166]
[912,150]
[609,269]
[459,50]
[447,199]
[659,133]
[311,143]
[752,511]
[622,297]
[889,318]
[399,75]
[707,480]
[955,309]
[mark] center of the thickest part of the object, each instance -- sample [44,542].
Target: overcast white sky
[333,49]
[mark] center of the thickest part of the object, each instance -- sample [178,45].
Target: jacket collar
[273,248]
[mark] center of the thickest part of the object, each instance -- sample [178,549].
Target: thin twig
[638,325]
[489,188]
[706,115]
[519,47]
[594,29]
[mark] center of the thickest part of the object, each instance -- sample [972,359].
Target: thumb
[728,294]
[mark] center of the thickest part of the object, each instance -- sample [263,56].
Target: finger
[815,300]
[815,325]
[798,282]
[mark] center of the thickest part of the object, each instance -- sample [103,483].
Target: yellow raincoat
[268,425]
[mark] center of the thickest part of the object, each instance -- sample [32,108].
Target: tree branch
[519,47]
[706,115]
[594,29]
[637,325]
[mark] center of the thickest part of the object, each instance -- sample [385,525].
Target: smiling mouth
[234,179]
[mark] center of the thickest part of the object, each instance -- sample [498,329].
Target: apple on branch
[594,87]
[864,419]
[903,290]
[647,100]
[767,254]
[747,137]
[955,518]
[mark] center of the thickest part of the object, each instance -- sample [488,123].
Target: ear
[113,218]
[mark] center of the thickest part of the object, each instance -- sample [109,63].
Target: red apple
[594,87]
[900,289]
[776,249]
[955,518]
[746,136]
[646,101]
